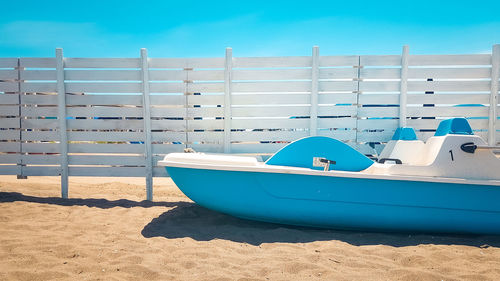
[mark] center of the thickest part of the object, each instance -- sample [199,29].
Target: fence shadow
[6,197]
[189,220]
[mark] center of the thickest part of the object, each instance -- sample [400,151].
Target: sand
[106,232]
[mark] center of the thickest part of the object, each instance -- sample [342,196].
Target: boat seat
[403,146]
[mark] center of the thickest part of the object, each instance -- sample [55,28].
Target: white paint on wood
[146,106]
[103,63]
[8,74]
[61,105]
[495,75]
[268,62]
[38,62]
[9,98]
[332,61]
[8,62]
[419,60]
[271,87]
[38,87]
[186,63]
[271,74]
[313,119]
[106,148]
[228,91]
[403,90]
[9,87]
[270,99]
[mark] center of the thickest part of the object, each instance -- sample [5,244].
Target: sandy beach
[105,231]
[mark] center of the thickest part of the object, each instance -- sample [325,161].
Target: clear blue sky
[100,28]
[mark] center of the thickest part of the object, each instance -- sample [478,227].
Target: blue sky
[99,28]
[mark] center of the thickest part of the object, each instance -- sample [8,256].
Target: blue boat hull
[344,203]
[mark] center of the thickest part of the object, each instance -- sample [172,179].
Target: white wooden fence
[119,116]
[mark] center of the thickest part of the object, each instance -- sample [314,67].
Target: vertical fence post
[358,92]
[146,110]
[20,160]
[495,75]
[403,86]
[61,106]
[313,126]
[228,69]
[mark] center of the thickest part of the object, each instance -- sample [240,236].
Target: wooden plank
[384,136]
[105,124]
[166,87]
[205,75]
[186,62]
[102,63]
[146,107]
[381,73]
[106,136]
[9,147]
[267,62]
[271,74]
[40,159]
[209,99]
[104,100]
[107,171]
[449,86]
[168,75]
[425,99]
[10,170]
[8,62]
[271,99]
[380,60]
[167,148]
[252,136]
[270,123]
[32,111]
[337,98]
[11,123]
[39,99]
[342,135]
[40,135]
[9,159]
[203,88]
[102,75]
[271,111]
[9,110]
[61,106]
[338,86]
[259,87]
[441,111]
[41,147]
[9,98]
[38,74]
[449,73]
[41,171]
[495,75]
[134,148]
[206,124]
[168,100]
[10,135]
[39,123]
[329,61]
[179,112]
[206,137]
[169,136]
[37,62]
[418,60]
[257,147]
[103,87]
[228,91]
[347,122]
[378,112]
[403,88]
[205,111]
[377,86]
[338,73]
[38,87]
[8,74]
[104,111]
[9,87]
[378,124]
[107,160]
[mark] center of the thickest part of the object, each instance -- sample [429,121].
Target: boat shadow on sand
[189,220]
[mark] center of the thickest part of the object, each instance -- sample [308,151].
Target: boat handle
[470,147]
[323,162]
[383,160]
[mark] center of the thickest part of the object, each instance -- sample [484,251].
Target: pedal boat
[449,184]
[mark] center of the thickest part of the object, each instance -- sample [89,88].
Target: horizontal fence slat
[330,61]
[343,135]
[103,87]
[417,60]
[268,62]
[104,111]
[8,62]
[10,135]
[186,63]
[168,99]
[8,74]
[380,60]
[337,98]
[105,148]
[337,86]
[203,87]
[9,159]
[9,110]
[39,123]
[39,99]
[38,74]
[102,75]
[106,160]
[9,87]
[40,147]
[10,147]
[10,123]
[425,99]
[38,87]
[347,122]
[103,100]
[270,99]
[41,171]
[107,136]
[40,159]
[439,111]
[10,170]
[170,75]
[37,62]
[271,74]
[40,135]
[104,124]
[449,86]
[205,99]
[9,98]
[293,86]
[256,147]
[107,171]
[169,136]
[167,148]
[270,123]
[102,63]
[338,73]
[166,87]
[449,73]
